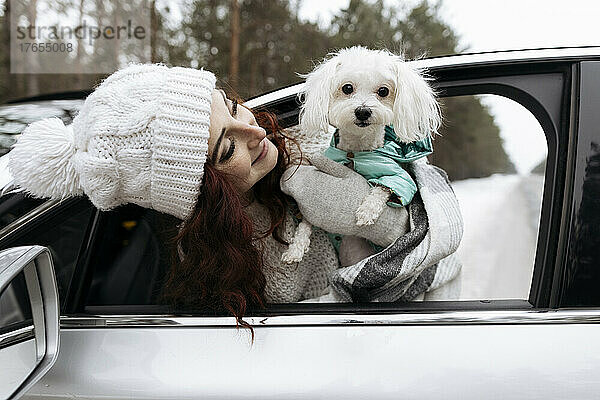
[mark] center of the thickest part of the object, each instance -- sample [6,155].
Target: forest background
[255,46]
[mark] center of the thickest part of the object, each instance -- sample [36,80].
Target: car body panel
[350,362]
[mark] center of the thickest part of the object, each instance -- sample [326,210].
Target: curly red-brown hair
[218,267]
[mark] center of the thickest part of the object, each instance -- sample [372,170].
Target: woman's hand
[328,195]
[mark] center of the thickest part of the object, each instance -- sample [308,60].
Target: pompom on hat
[141,137]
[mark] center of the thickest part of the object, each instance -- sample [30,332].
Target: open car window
[497,169]
[499,189]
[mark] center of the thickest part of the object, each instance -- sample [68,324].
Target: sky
[487,25]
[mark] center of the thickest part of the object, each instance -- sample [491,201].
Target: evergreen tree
[423,33]
[469,144]
[369,24]
[273,43]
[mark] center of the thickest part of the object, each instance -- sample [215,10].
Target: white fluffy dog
[359,91]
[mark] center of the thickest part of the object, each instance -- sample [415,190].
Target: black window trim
[548,260]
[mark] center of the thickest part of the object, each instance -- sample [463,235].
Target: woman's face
[237,145]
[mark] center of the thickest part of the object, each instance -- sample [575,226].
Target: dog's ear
[317,93]
[416,110]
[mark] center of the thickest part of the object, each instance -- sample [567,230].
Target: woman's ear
[416,110]
[318,91]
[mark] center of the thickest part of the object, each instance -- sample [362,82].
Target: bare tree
[153,30]
[80,49]
[234,60]
[33,86]
[10,84]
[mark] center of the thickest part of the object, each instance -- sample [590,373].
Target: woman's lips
[263,152]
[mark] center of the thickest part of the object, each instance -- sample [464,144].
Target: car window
[494,151]
[132,254]
[14,118]
[498,185]
[63,231]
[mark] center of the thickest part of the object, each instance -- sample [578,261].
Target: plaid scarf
[419,261]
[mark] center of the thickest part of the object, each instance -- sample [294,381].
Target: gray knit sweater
[299,281]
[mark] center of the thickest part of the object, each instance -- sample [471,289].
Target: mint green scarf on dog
[383,166]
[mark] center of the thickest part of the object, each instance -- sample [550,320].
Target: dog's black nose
[362,113]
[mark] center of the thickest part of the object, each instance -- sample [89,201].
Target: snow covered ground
[501,218]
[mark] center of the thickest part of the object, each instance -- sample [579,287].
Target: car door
[118,342]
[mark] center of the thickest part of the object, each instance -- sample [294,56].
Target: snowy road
[501,215]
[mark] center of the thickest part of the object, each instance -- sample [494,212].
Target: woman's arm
[328,195]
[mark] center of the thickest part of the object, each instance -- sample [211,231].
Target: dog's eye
[383,91]
[347,88]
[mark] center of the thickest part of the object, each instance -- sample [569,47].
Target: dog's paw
[372,206]
[293,254]
[299,244]
[366,215]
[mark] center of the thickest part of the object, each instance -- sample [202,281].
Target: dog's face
[363,96]
[359,91]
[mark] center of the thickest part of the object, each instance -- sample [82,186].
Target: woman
[222,264]
[167,139]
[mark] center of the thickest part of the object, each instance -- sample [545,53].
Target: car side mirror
[29,318]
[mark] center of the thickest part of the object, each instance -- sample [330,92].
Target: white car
[100,301]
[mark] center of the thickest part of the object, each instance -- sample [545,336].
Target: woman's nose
[255,135]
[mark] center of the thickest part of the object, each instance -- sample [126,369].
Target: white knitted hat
[141,137]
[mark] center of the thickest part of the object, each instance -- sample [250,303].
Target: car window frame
[558,126]
[545,287]
[515,83]
[520,83]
